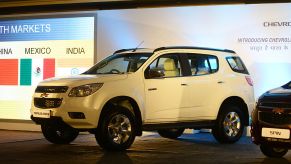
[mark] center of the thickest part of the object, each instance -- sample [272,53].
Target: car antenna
[137,46]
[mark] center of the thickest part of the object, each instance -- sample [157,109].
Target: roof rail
[129,49]
[188,47]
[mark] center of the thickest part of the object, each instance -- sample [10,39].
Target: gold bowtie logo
[43,95]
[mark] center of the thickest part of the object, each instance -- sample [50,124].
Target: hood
[73,81]
[279,90]
[276,95]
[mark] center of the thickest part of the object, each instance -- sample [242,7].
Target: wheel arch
[128,103]
[239,102]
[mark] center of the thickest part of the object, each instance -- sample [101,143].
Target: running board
[191,125]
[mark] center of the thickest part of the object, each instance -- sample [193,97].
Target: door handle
[220,82]
[184,84]
[152,89]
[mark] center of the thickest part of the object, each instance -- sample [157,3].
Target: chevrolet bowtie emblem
[43,95]
[278,110]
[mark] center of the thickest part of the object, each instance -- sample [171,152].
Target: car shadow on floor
[207,138]
[114,157]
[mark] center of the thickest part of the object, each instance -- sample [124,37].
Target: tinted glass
[202,64]
[213,61]
[287,86]
[169,64]
[119,64]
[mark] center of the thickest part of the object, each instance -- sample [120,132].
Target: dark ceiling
[36,6]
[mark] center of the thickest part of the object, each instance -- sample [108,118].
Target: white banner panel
[260,34]
[35,48]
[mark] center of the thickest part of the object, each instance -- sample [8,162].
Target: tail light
[249,80]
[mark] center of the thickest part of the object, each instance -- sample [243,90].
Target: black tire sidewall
[50,133]
[219,132]
[102,135]
[270,152]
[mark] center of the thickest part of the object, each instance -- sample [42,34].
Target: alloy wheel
[232,124]
[119,129]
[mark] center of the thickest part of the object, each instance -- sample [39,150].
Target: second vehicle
[271,121]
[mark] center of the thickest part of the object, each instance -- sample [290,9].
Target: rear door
[203,85]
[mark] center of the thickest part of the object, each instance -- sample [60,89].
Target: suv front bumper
[77,112]
[256,133]
[51,121]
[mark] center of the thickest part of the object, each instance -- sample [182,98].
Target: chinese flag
[8,71]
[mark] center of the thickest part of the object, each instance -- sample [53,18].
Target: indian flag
[32,71]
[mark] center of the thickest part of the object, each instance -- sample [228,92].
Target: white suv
[167,89]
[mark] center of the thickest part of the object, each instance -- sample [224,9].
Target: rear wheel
[59,135]
[171,133]
[272,151]
[229,127]
[116,130]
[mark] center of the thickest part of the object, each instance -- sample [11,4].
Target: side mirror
[156,73]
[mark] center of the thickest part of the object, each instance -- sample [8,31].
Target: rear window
[237,65]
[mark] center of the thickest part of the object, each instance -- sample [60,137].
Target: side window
[213,62]
[169,64]
[237,65]
[202,64]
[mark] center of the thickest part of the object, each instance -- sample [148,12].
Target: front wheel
[171,133]
[272,151]
[59,135]
[116,130]
[229,126]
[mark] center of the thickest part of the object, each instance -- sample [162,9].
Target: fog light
[76,115]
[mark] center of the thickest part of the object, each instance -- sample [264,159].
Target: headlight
[85,90]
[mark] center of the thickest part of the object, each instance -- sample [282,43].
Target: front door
[165,95]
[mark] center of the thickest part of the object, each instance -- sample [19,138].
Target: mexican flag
[32,71]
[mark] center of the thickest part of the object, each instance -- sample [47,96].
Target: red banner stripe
[8,71]
[48,68]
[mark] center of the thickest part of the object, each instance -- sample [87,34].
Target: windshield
[119,64]
[287,86]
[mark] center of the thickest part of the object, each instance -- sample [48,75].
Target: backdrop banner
[260,34]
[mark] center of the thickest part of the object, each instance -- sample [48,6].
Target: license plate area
[42,114]
[276,133]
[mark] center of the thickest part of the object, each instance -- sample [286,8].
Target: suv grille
[47,102]
[275,105]
[275,118]
[51,89]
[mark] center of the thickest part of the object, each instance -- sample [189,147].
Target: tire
[272,151]
[229,125]
[59,135]
[171,133]
[116,130]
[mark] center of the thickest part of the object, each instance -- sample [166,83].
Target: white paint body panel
[199,99]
